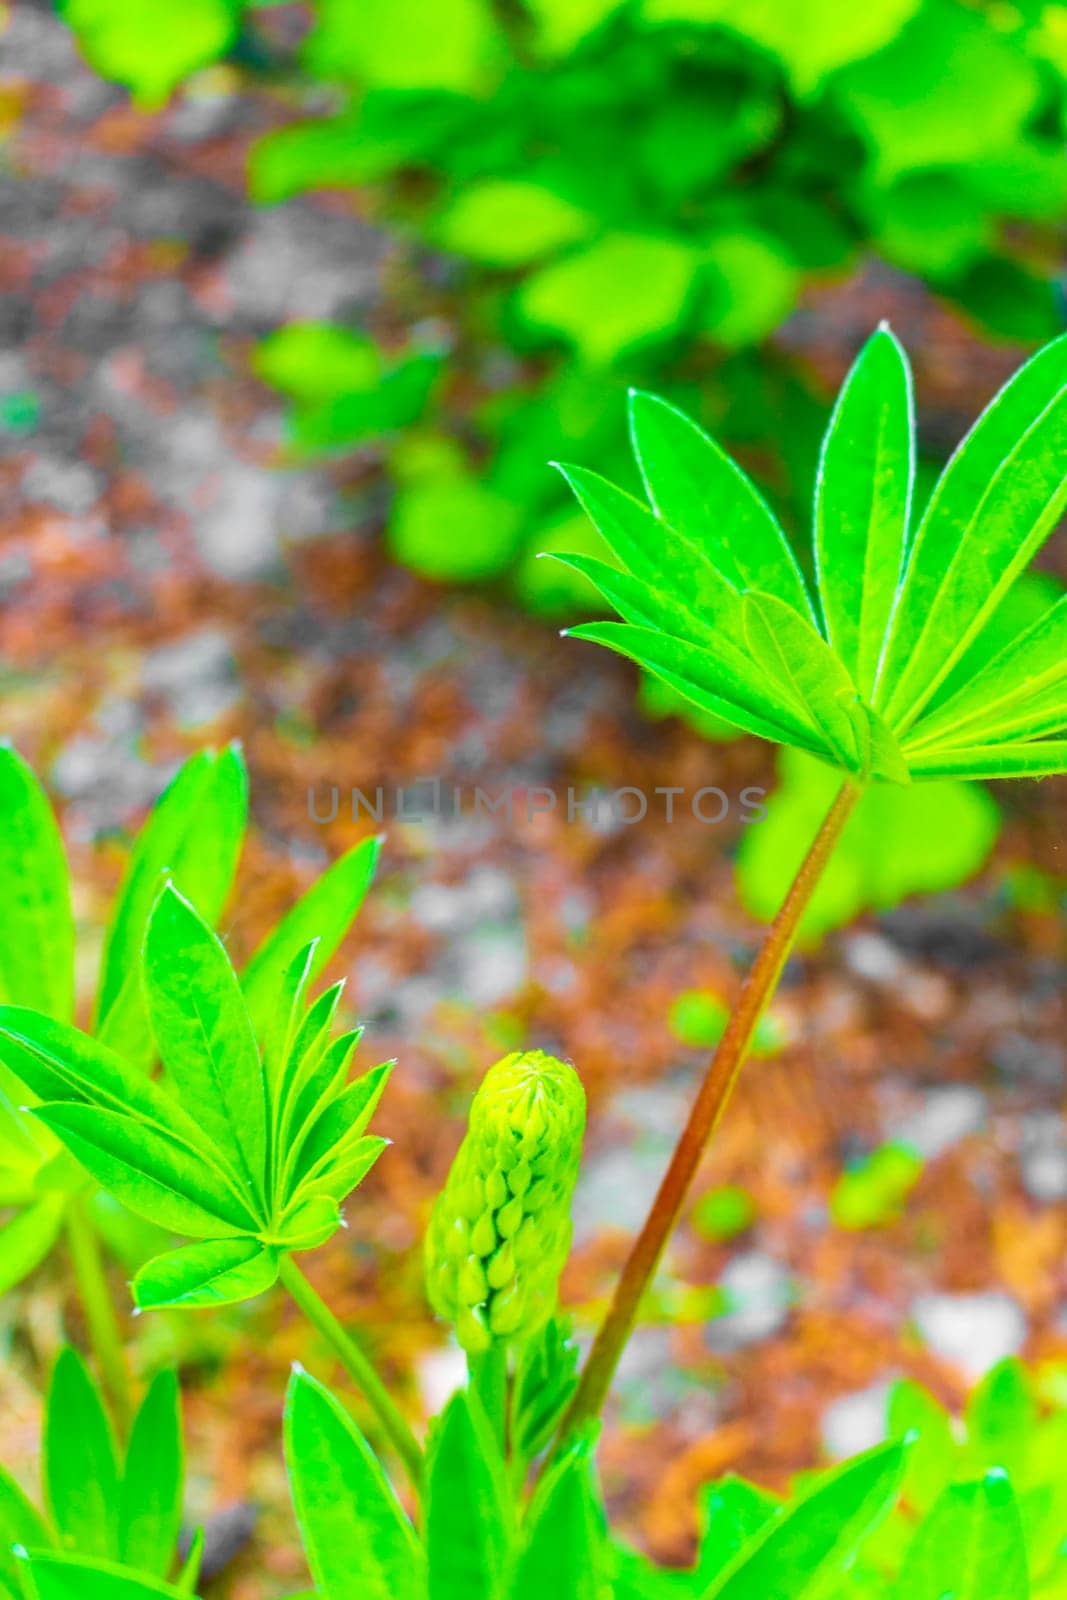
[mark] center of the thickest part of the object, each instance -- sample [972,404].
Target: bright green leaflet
[150,1500]
[862,504]
[81,1469]
[469,1512]
[37,937]
[971,1546]
[356,1534]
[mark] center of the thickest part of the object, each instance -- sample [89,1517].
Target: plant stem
[357,1365]
[105,1335]
[489,1380]
[707,1110]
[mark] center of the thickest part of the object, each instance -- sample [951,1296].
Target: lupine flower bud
[501,1228]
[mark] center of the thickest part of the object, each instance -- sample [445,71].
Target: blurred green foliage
[638,190]
[898,842]
[629,190]
[872,1193]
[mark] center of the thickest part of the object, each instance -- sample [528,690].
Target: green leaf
[317,360]
[588,297]
[545,1381]
[325,913]
[734,1512]
[406,44]
[424,510]
[278,1035]
[872,1193]
[343,1170]
[915,99]
[1000,699]
[205,1037]
[1041,759]
[814,1538]
[218,1272]
[810,38]
[562,24]
[28,1237]
[862,502]
[21,1524]
[58,1062]
[308,1223]
[1001,1418]
[931,1461]
[207,800]
[134,43]
[73,1578]
[80,1467]
[344,1117]
[37,937]
[695,487]
[994,505]
[150,1502]
[971,1546]
[565,1554]
[897,842]
[752,285]
[154,1175]
[356,1534]
[788,649]
[709,678]
[469,1528]
[509,222]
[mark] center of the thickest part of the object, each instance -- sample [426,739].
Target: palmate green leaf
[469,1529]
[357,1537]
[698,675]
[806,671]
[816,1537]
[344,1169]
[698,490]
[325,912]
[169,1183]
[150,1498]
[216,1273]
[994,505]
[28,1237]
[343,1118]
[207,800]
[971,1546]
[61,1577]
[565,1551]
[670,620]
[58,1062]
[80,1468]
[862,503]
[37,934]
[205,1037]
[1041,759]
[1005,696]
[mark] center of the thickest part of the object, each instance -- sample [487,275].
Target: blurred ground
[164,585]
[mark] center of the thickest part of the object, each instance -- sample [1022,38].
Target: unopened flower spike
[501,1228]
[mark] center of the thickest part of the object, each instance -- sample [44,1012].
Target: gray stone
[759,1295]
[974,1331]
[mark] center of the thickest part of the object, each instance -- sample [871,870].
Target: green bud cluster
[501,1228]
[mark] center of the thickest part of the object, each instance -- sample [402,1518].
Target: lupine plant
[45,1193]
[252,1136]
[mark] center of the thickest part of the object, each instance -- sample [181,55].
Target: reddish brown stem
[715,1092]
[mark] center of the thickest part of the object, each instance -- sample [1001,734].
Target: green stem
[489,1380]
[711,1101]
[105,1335]
[357,1365]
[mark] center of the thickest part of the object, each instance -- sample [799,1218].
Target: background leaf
[37,934]
[80,1469]
[356,1534]
[150,1501]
